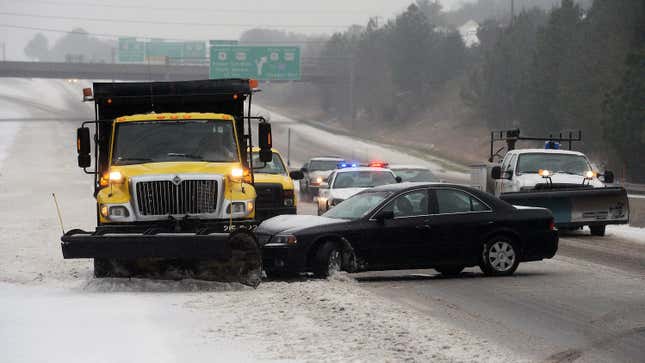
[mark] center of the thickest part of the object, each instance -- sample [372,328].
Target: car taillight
[552,224]
[288,198]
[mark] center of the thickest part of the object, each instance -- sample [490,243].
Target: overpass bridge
[312,70]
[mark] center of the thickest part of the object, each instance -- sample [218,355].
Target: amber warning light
[87,94]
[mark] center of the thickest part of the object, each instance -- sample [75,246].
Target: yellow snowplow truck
[173,184]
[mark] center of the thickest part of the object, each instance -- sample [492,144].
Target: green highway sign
[223,43]
[164,49]
[194,50]
[131,51]
[262,63]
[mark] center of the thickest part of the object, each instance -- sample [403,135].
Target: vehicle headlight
[236,208]
[119,211]
[116,177]
[286,239]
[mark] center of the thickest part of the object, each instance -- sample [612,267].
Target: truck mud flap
[577,207]
[79,244]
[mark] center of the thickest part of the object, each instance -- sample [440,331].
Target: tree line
[571,66]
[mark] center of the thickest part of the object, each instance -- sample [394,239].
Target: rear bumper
[129,246]
[578,207]
[263,213]
[540,245]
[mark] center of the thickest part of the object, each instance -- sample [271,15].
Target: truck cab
[275,186]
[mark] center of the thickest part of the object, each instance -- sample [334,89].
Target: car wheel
[500,257]
[328,260]
[598,230]
[450,270]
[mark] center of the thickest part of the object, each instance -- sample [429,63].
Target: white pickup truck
[561,180]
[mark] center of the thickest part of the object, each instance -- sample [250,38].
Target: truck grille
[163,197]
[268,195]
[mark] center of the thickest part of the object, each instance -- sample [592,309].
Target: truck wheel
[102,268]
[500,257]
[450,270]
[328,260]
[598,230]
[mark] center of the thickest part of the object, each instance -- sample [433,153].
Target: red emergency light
[378,164]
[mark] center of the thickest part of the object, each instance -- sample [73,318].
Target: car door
[458,223]
[507,182]
[400,241]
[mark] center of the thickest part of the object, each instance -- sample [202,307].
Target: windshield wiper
[187,156]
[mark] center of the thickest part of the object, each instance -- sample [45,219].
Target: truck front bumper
[131,241]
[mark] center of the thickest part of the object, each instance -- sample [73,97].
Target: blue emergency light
[552,145]
[344,164]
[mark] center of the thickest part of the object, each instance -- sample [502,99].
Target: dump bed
[116,99]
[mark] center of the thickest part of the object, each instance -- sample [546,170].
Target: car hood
[344,193]
[294,223]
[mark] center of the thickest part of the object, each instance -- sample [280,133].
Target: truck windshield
[163,141]
[556,163]
[363,179]
[275,166]
[357,206]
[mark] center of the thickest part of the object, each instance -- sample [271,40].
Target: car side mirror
[265,141]
[385,215]
[398,179]
[304,169]
[83,147]
[496,172]
[608,177]
[296,175]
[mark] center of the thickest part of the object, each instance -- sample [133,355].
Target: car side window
[330,179]
[411,204]
[456,201]
[511,164]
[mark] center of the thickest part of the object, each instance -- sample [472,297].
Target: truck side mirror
[296,175]
[608,177]
[83,147]
[496,172]
[265,142]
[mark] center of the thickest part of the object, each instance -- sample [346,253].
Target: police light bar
[345,164]
[552,145]
[378,164]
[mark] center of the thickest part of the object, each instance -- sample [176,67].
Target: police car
[350,179]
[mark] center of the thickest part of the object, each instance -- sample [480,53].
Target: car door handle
[423,227]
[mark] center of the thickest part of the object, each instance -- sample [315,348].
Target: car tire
[500,257]
[598,230]
[450,270]
[327,260]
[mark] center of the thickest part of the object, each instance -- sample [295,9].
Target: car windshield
[415,175]
[363,179]
[357,206]
[275,166]
[162,141]
[556,163]
[322,165]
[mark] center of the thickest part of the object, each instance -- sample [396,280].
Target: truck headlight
[116,177]
[119,211]
[236,208]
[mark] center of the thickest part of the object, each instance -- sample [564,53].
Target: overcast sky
[112,17]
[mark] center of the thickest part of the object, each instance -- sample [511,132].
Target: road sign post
[262,63]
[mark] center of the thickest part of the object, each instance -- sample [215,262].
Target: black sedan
[409,226]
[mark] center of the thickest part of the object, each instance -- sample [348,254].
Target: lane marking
[636,196]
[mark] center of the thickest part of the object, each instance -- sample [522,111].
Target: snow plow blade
[574,208]
[215,257]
